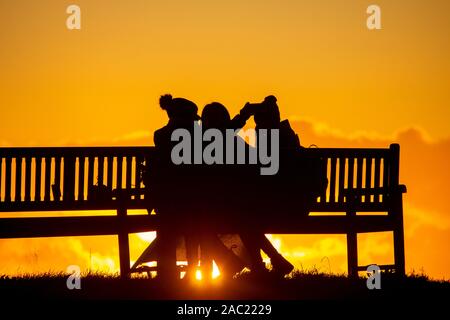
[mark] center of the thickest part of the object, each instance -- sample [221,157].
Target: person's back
[171,179]
[230,184]
[168,183]
[275,191]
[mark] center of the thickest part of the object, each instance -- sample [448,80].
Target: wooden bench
[108,178]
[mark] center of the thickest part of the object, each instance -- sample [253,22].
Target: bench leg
[124,249]
[167,255]
[124,255]
[399,241]
[399,252]
[352,255]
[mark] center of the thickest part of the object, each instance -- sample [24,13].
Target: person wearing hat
[182,113]
[265,195]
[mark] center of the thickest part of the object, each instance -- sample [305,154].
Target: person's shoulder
[285,124]
[290,137]
[161,135]
[285,128]
[158,132]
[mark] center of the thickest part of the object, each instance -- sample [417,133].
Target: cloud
[136,138]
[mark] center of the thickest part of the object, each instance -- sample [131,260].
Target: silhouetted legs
[167,263]
[255,242]
[229,264]
[192,242]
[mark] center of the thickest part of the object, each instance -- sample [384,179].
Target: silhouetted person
[174,189]
[216,190]
[237,188]
[274,192]
[267,116]
[171,187]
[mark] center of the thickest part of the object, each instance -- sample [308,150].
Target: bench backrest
[49,179]
[358,179]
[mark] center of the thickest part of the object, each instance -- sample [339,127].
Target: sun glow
[150,236]
[198,275]
[215,272]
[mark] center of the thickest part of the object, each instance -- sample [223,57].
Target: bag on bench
[312,174]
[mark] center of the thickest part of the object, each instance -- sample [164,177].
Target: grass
[310,285]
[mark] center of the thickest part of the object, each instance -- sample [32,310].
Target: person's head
[267,114]
[215,115]
[179,109]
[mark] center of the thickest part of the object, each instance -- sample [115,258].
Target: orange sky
[339,83]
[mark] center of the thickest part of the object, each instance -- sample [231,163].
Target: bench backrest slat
[351,173]
[7,196]
[128,172]
[101,169]
[377,177]
[48,166]
[91,162]
[18,179]
[332,180]
[1,175]
[120,172]
[81,178]
[109,171]
[359,173]
[368,183]
[27,179]
[342,178]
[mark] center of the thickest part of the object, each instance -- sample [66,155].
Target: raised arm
[239,121]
